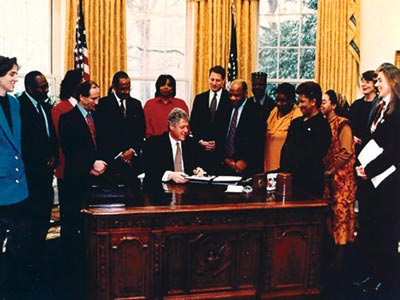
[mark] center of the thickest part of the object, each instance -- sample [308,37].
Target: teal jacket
[13,186]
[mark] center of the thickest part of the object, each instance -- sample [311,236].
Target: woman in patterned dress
[340,184]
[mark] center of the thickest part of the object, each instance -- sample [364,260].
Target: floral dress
[341,187]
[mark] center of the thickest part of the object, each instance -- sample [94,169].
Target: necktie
[89,121]
[230,143]
[178,159]
[122,108]
[42,120]
[377,117]
[213,107]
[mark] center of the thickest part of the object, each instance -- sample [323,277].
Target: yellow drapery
[105,24]
[338,42]
[212,19]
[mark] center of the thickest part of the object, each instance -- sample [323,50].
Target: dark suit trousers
[38,212]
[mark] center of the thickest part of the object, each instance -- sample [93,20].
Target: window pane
[287,36]
[289,32]
[156,41]
[268,62]
[310,5]
[309,30]
[269,6]
[289,6]
[307,63]
[288,62]
[268,32]
[25,37]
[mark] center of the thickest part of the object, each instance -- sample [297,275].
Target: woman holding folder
[382,259]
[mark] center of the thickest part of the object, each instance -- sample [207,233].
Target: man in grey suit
[13,186]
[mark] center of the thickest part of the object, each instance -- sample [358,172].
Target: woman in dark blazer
[382,252]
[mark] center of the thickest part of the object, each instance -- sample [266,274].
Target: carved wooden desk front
[198,242]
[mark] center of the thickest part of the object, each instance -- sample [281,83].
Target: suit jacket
[13,185]
[248,139]
[265,109]
[37,147]
[77,145]
[387,136]
[200,117]
[306,144]
[158,157]
[116,133]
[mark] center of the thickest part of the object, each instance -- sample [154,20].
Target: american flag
[232,66]
[81,53]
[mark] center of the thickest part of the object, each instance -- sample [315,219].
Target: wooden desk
[198,242]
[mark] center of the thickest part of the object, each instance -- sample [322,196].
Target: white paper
[370,151]
[227,179]
[200,178]
[234,189]
[381,177]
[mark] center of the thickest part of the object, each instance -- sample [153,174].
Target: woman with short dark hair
[156,110]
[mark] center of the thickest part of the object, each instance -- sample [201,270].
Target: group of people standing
[85,139]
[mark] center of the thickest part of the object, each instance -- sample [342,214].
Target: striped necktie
[90,122]
[230,142]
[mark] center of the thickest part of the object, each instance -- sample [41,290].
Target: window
[27,34]
[156,41]
[287,40]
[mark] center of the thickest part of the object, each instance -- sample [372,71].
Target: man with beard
[39,153]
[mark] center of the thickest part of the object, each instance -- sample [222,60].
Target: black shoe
[374,287]
[362,282]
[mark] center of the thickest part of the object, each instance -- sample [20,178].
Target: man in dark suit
[209,110]
[39,152]
[264,103]
[78,142]
[170,157]
[242,136]
[120,130]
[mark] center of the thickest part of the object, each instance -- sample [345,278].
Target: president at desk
[171,156]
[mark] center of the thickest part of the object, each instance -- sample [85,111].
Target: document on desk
[370,152]
[195,178]
[226,179]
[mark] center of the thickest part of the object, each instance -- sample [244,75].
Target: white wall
[380,32]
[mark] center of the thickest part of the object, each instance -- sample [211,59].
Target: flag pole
[81,53]
[233,64]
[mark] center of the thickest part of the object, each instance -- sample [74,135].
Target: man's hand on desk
[178,177]
[208,145]
[99,167]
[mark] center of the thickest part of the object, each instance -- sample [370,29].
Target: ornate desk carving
[224,249]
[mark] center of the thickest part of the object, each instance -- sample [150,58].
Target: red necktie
[377,116]
[92,129]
